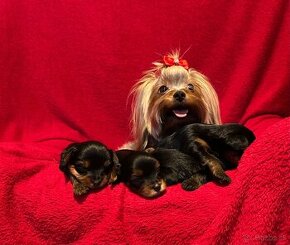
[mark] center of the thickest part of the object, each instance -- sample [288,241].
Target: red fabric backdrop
[66,68]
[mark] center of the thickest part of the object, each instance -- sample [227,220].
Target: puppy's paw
[222,178]
[80,189]
[190,185]
[218,174]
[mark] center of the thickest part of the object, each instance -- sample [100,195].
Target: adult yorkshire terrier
[169,96]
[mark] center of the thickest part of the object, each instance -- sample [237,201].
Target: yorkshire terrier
[149,172]
[218,147]
[89,165]
[169,96]
[140,172]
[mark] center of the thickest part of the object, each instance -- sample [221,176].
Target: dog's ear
[116,167]
[67,155]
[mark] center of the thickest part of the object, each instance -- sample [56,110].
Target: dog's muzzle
[179,96]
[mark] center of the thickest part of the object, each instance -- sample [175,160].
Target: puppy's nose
[179,96]
[157,187]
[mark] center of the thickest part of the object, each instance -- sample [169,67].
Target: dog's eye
[162,89]
[190,86]
[80,169]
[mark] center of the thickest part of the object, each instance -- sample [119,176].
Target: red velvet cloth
[66,68]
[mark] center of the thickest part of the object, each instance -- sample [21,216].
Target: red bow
[169,61]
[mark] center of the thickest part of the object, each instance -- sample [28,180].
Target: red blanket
[66,68]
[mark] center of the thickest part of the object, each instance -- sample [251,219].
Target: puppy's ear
[116,167]
[67,155]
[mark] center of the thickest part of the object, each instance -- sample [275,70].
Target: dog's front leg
[78,188]
[215,168]
[194,182]
[214,165]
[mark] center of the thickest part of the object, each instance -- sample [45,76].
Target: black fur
[218,147]
[220,138]
[177,167]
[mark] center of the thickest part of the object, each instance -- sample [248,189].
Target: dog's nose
[157,187]
[179,96]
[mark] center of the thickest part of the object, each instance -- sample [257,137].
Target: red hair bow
[169,61]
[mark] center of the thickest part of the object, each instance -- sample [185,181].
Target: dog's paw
[80,190]
[190,185]
[222,178]
[218,174]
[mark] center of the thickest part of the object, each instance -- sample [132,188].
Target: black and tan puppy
[148,173]
[141,173]
[89,165]
[218,147]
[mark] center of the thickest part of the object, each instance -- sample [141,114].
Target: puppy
[89,165]
[218,147]
[148,173]
[169,96]
[140,172]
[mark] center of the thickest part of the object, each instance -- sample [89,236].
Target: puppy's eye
[80,169]
[162,89]
[190,86]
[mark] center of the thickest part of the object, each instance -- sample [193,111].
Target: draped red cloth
[66,68]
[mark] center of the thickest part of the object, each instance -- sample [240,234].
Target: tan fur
[149,192]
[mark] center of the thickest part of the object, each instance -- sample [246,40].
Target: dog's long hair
[146,120]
